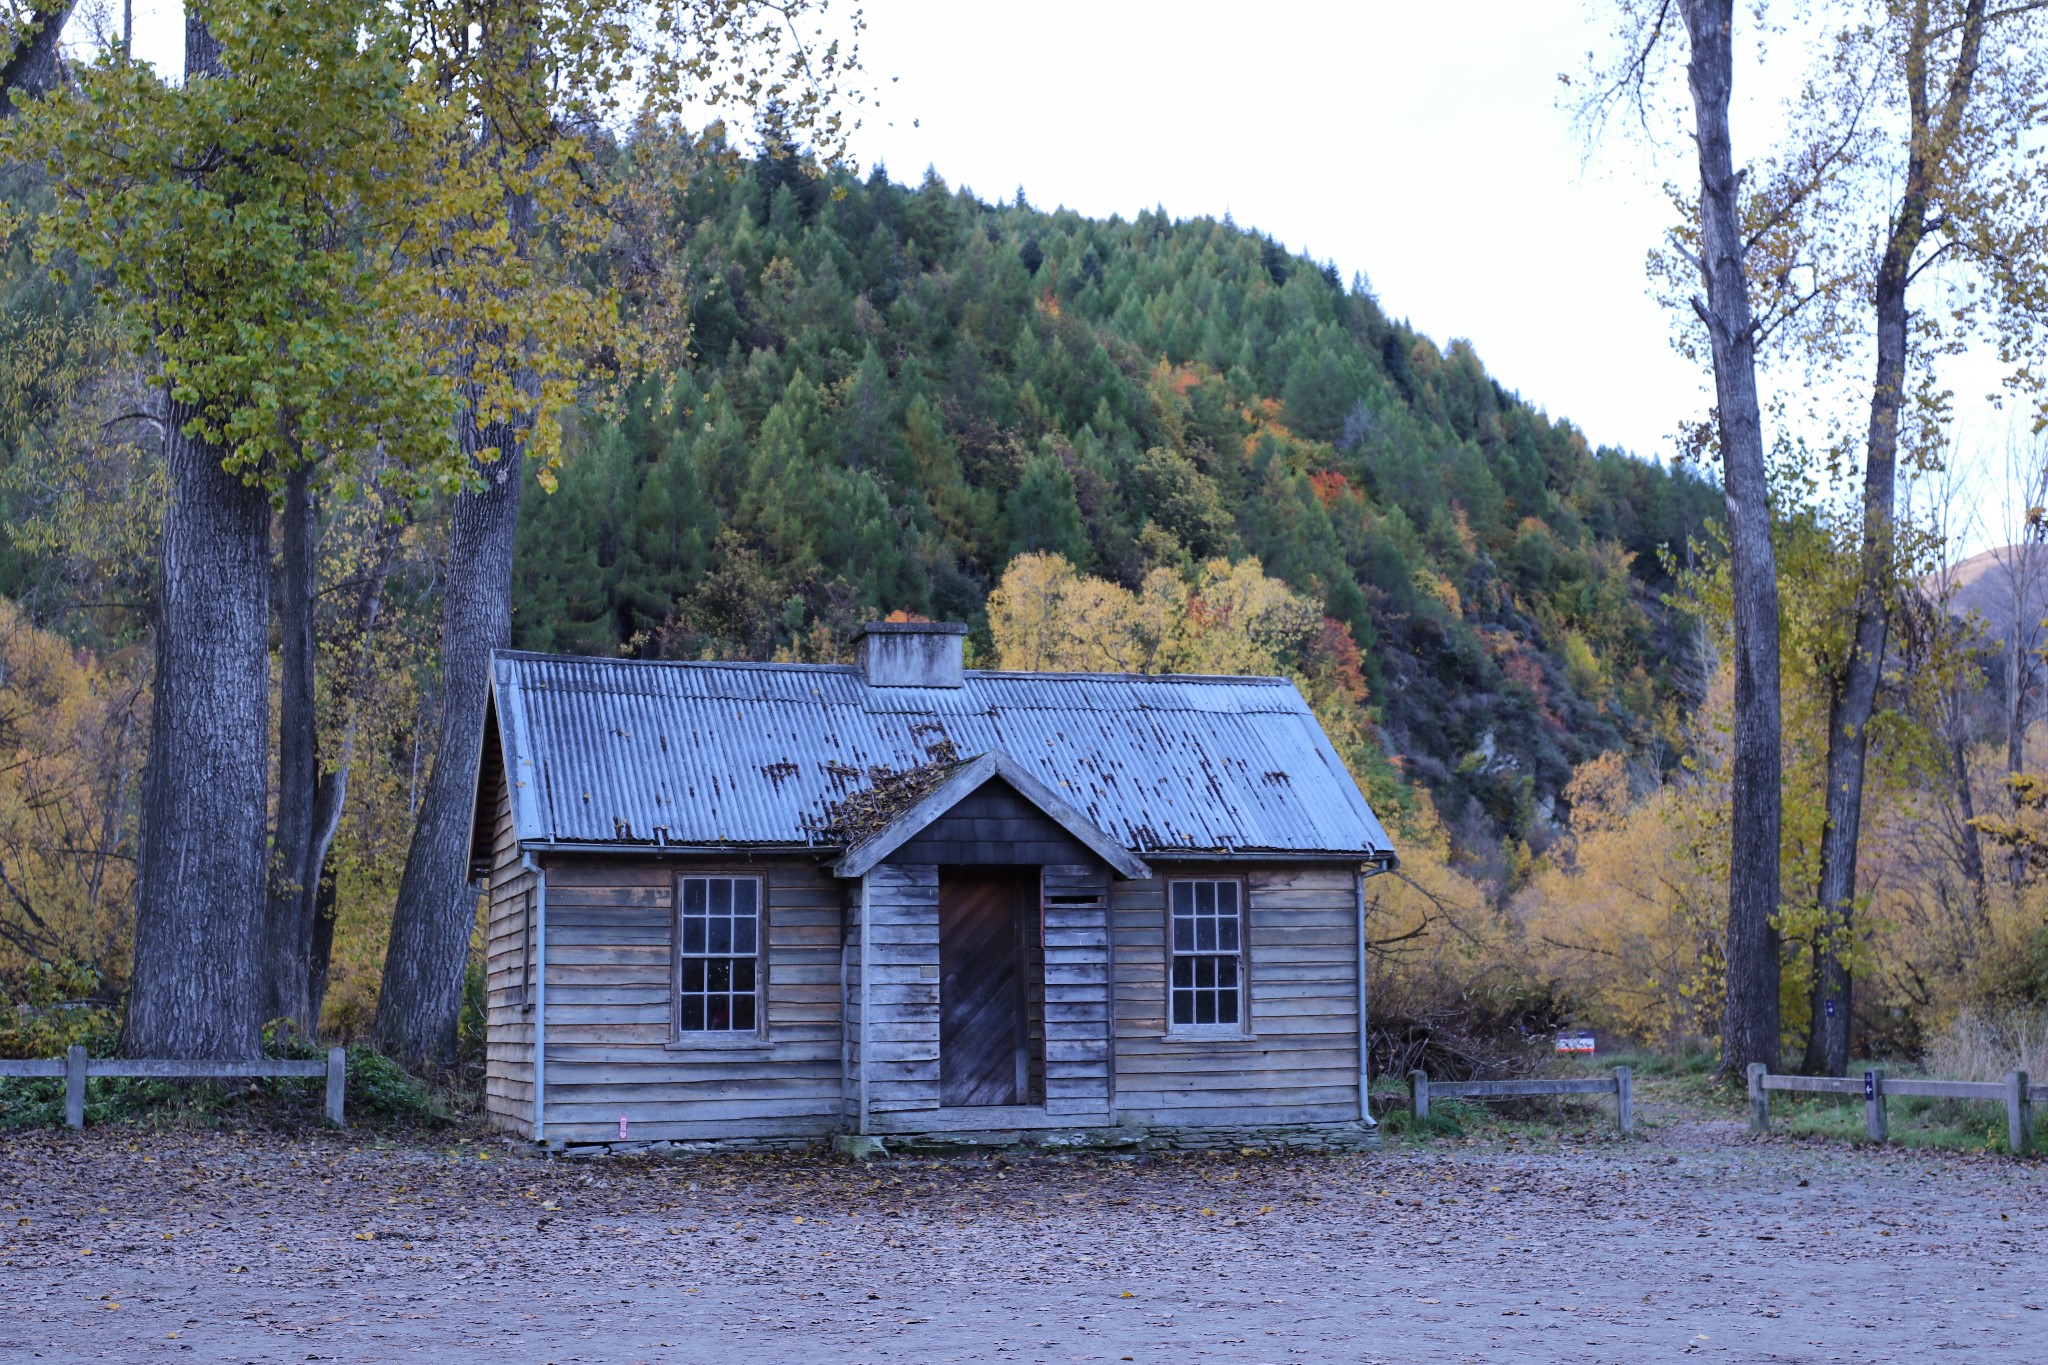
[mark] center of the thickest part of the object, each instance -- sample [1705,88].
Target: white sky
[1422,145]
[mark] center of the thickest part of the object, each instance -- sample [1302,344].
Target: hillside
[898,388]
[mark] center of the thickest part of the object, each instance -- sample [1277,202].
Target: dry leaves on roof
[861,815]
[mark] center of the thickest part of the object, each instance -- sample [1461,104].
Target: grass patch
[380,1095]
[1912,1120]
[1536,1119]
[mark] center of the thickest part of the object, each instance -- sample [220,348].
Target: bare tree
[1717,250]
[2019,579]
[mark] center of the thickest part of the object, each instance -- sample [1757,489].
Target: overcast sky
[1423,146]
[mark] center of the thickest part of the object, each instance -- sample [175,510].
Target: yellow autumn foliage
[72,731]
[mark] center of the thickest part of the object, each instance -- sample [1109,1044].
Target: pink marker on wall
[622,1127]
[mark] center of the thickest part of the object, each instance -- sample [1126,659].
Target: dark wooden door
[981,988]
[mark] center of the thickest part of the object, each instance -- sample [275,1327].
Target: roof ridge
[747,665]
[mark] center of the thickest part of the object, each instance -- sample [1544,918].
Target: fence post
[74,1086]
[1418,1095]
[1874,1119]
[337,1078]
[1624,1101]
[1759,1099]
[2019,1115]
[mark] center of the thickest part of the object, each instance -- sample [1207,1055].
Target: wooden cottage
[782,902]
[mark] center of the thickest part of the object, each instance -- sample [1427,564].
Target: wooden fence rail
[2016,1092]
[1421,1089]
[76,1068]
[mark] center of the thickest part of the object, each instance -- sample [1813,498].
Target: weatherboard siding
[897,1052]
[508,1024]
[611,1050]
[1298,1061]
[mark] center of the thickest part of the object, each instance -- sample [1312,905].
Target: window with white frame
[718,955]
[1207,987]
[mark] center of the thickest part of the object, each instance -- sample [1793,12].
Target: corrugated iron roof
[622,751]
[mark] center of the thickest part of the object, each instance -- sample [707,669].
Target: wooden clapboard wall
[895,1053]
[1299,1061]
[609,942]
[508,1023]
[1078,1076]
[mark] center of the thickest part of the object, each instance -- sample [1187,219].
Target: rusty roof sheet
[631,752]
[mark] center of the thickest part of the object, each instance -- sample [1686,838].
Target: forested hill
[900,388]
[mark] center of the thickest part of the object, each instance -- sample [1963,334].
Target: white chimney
[911,653]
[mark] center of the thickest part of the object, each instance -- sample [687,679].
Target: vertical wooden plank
[847,930]
[2018,1112]
[1418,1095]
[1624,1101]
[540,1003]
[1079,1066]
[1875,1121]
[1759,1099]
[900,1015]
[337,1081]
[1364,1038]
[74,1086]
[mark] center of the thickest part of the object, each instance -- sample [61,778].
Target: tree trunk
[288,921]
[31,61]
[419,1004]
[1966,804]
[196,987]
[1855,694]
[320,948]
[1749,1026]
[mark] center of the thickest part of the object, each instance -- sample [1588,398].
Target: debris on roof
[866,812]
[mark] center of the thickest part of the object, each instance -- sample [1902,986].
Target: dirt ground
[1698,1241]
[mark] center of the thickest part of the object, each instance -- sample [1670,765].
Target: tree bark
[419,1004]
[288,920]
[1749,1025]
[196,989]
[31,62]
[1855,694]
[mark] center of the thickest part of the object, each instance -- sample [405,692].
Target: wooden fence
[1421,1089]
[2015,1092]
[76,1068]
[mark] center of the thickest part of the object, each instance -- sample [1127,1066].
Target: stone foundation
[1253,1140]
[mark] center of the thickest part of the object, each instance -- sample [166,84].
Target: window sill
[1198,1034]
[730,1042]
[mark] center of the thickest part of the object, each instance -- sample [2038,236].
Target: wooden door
[982,1038]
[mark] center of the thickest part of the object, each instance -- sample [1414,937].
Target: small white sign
[1581,1043]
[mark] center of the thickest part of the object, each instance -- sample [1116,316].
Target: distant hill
[900,387]
[2004,586]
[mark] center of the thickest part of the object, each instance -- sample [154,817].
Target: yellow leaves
[1230,619]
[1442,590]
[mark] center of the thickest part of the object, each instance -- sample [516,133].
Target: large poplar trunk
[419,1004]
[196,985]
[1855,693]
[1749,1025]
[195,988]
